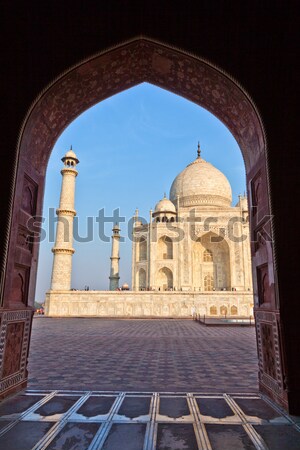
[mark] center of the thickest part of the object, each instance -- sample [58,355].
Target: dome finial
[199,151]
[165,195]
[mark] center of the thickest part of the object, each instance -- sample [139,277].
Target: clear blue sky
[131,147]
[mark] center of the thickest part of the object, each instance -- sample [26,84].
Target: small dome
[125,287]
[165,205]
[70,154]
[200,183]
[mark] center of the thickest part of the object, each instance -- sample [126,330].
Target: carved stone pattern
[237,254]
[24,239]
[267,342]
[271,384]
[263,284]
[66,212]
[262,235]
[67,251]
[7,318]
[20,284]
[256,186]
[127,66]
[203,200]
[266,345]
[29,193]
[220,231]
[13,348]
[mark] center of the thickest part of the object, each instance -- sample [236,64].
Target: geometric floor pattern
[141,355]
[95,420]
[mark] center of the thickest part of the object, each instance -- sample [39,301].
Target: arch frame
[90,81]
[169,277]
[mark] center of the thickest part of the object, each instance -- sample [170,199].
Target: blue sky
[131,147]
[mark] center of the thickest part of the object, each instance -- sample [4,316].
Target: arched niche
[164,279]
[165,248]
[211,262]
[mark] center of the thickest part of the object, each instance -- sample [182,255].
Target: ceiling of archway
[125,66]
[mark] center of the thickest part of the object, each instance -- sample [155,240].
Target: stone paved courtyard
[99,384]
[141,355]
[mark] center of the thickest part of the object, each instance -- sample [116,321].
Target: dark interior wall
[254,41]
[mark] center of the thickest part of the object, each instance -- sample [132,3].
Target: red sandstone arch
[88,83]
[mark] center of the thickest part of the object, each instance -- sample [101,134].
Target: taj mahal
[193,257]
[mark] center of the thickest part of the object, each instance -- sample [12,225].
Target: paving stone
[24,435]
[56,405]
[257,408]
[4,423]
[18,404]
[214,407]
[173,407]
[176,436]
[231,437]
[141,355]
[95,406]
[134,407]
[125,437]
[74,436]
[175,425]
[279,437]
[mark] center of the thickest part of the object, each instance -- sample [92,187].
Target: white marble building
[193,256]
[196,241]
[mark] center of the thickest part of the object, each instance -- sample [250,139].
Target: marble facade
[147,304]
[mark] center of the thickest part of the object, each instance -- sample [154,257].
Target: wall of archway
[81,87]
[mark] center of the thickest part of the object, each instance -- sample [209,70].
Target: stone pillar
[114,266]
[63,250]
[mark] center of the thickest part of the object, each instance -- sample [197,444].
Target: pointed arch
[165,248]
[164,279]
[138,60]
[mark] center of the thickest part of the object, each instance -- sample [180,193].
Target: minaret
[134,245]
[150,249]
[114,266]
[63,250]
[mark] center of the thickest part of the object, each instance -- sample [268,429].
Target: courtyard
[106,384]
[141,355]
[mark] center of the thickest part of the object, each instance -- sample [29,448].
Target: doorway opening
[87,84]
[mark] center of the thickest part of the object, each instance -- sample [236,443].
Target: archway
[211,256]
[233,310]
[213,311]
[164,279]
[165,248]
[87,84]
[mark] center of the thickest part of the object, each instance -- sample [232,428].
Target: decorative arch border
[108,73]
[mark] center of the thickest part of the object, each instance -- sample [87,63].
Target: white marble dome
[165,205]
[201,184]
[70,154]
